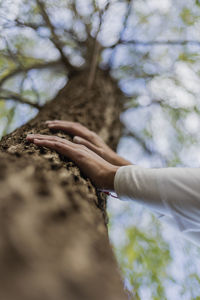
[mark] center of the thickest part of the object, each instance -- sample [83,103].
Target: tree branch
[164,104]
[28,24]
[27,68]
[14,96]
[97,47]
[54,38]
[35,27]
[146,148]
[156,43]
[124,25]
[140,141]
[72,6]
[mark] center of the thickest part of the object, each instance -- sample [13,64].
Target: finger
[79,140]
[54,121]
[73,128]
[66,150]
[59,122]
[31,137]
[67,125]
[41,136]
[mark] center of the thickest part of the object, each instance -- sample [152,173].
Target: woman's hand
[100,171]
[90,139]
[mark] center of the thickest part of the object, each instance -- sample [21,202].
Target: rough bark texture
[53,236]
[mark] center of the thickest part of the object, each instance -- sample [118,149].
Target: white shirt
[173,193]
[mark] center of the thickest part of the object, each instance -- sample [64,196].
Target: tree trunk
[53,237]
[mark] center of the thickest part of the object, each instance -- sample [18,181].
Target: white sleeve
[173,192]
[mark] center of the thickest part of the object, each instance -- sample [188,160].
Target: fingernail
[76,139]
[29,136]
[36,141]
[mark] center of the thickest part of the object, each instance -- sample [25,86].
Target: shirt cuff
[120,182]
[139,184]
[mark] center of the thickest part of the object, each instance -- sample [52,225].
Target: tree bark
[53,236]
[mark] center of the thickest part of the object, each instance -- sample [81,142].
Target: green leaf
[187,17]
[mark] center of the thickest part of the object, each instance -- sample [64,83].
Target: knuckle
[92,135]
[73,126]
[79,126]
[101,152]
[55,138]
[81,154]
[58,139]
[82,147]
[58,144]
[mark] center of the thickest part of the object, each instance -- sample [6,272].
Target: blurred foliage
[6,117]
[148,255]
[144,46]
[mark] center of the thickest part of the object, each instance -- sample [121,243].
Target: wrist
[109,183]
[120,161]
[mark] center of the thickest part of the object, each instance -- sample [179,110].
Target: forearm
[170,191]
[139,184]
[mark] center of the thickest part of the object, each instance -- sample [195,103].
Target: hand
[90,139]
[92,165]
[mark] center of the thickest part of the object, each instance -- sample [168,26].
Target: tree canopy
[152,49]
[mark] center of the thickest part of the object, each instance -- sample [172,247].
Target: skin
[94,158]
